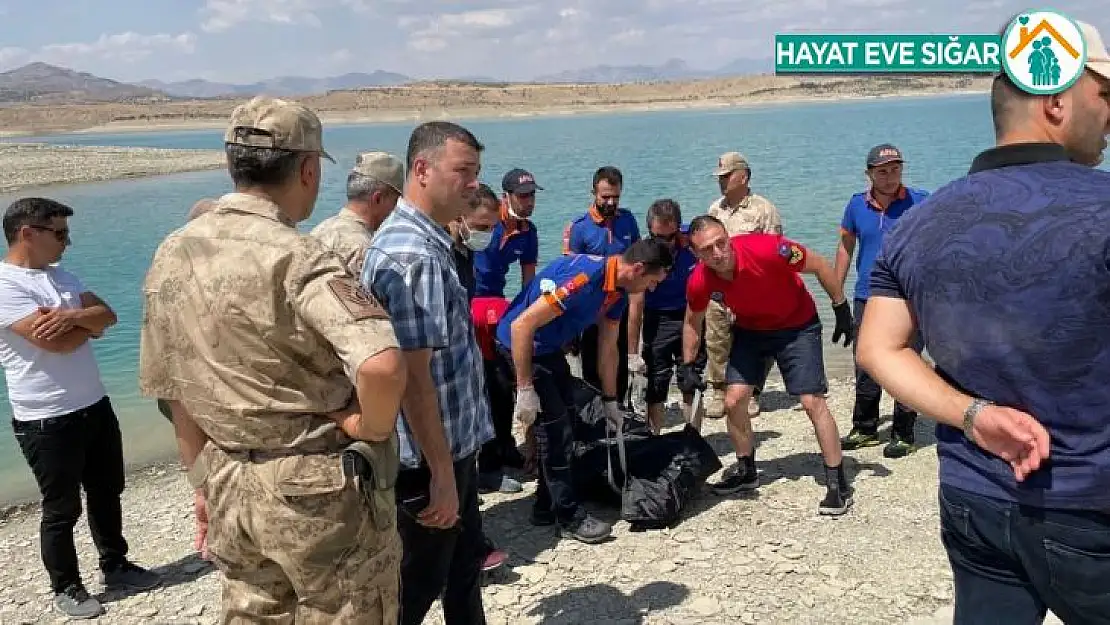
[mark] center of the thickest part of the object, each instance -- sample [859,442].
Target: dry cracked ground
[764,559]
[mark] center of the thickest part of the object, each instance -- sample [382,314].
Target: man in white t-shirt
[63,419]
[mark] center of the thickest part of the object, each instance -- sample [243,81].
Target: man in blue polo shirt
[569,294]
[604,230]
[1005,273]
[514,237]
[867,218]
[664,311]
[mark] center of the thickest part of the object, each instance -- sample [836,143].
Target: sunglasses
[61,234]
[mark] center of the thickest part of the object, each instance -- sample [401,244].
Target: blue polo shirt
[1007,272]
[580,287]
[865,219]
[512,241]
[670,294]
[593,234]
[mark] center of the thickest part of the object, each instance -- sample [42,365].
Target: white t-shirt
[43,384]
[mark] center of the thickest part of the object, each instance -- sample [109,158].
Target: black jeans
[1011,562]
[588,347]
[865,414]
[555,492]
[436,561]
[500,391]
[82,448]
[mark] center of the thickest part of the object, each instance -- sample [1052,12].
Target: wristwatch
[973,411]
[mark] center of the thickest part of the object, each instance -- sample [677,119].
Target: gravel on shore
[28,165]
[764,559]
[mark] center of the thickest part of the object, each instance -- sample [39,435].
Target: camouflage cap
[730,162]
[265,122]
[383,167]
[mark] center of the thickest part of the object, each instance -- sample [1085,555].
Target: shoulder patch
[791,252]
[356,300]
[577,282]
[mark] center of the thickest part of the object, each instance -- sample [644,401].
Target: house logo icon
[1044,52]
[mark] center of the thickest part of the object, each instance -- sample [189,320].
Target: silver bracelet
[973,410]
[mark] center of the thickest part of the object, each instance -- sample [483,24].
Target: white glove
[614,416]
[636,364]
[527,405]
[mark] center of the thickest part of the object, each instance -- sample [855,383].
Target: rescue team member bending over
[756,277]
[664,310]
[513,238]
[568,295]
[606,230]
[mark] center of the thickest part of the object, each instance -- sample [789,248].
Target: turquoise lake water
[807,158]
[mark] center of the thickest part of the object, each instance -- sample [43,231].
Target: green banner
[812,53]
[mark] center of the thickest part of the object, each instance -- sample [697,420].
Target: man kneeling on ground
[566,297]
[755,277]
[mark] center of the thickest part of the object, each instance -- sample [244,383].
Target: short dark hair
[609,174]
[31,211]
[1007,100]
[252,166]
[431,136]
[655,255]
[486,195]
[701,222]
[665,209]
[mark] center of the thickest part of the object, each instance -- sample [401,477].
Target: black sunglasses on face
[61,234]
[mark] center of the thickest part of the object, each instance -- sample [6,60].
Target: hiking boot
[741,476]
[498,483]
[713,402]
[587,530]
[858,439]
[899,446]
[836,502]
[129,576]
[75,602]
[542,518]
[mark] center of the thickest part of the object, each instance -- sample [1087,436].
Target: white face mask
[477,240]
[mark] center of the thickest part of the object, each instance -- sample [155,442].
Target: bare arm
[94,315]
[527,272]
[421,409]
[844,253]
[608,331]
[635,321]
[63,343]
[691,334]
[523,330]
[818,266]
[381,377]
[190,438]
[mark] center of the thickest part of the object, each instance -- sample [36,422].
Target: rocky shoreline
[31,165]
[764,559]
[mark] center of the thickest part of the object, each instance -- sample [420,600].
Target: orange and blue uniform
[593,233]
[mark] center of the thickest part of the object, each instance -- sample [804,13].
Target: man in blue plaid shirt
[445,417]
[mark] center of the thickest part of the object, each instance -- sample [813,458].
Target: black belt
[50,422]
[265,455]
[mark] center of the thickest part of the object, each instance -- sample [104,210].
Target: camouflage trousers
[718,343]
[296,542]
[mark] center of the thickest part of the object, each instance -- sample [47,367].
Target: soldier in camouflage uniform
[258,338]
[373,188]
[741,211]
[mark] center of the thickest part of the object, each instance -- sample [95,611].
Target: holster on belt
[374,468]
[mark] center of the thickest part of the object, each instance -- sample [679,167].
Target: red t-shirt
[485,312]
[766,291]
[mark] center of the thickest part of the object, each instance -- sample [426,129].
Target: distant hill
[41,82]
[674,69]
[280,86]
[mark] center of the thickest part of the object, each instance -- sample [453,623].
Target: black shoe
[75,602]
[587,530]
[858,439]
[836,502]
[128,576]
[741,476]
[899,446]
[542,518]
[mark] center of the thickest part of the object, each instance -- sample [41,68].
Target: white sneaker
[713,403]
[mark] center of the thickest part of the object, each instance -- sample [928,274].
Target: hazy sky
[247,40]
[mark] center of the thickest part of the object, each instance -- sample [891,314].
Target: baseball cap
[519,181]
[383,167]
[883,154]
[730,162]
[1098,59]
[265,122]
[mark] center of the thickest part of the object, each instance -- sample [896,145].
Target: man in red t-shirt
[757,277]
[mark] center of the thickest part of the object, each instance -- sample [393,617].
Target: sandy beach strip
[30,165]
[764,559]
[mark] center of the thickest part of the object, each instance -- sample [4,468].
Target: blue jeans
[1011,563]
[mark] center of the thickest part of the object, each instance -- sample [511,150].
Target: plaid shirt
[410,268]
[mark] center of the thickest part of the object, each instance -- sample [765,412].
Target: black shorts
[797,351]
[662,351]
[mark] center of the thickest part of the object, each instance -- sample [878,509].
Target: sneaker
[75,602]
[494,560]
[899,447]
[858,439]
[129,576]
[836,502]
[753,408]
[498,483]
[587,530]
[542,518]
[738,477]
[713,403]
